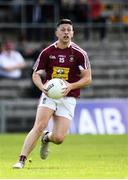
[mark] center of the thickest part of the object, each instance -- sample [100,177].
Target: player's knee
[58,139]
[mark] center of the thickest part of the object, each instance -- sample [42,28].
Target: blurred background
[101,29]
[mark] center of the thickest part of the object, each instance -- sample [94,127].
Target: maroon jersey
[63,63]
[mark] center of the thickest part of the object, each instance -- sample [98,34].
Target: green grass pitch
[79,157]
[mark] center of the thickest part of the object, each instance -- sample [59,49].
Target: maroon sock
[22,158]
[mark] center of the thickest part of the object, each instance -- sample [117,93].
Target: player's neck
[62,45]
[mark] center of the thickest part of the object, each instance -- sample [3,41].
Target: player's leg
[61,122]
[62,119]
[60,129]
[42,117]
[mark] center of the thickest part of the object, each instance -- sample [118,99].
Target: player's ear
[72,34]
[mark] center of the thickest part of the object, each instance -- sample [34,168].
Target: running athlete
[62,59]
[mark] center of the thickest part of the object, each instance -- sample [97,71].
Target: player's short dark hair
[64,21]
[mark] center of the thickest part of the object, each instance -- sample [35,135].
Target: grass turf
[80,156]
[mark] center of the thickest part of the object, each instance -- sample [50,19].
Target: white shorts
[63,107]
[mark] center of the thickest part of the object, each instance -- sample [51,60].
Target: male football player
[62,59]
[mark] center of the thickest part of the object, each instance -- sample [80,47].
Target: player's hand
[67,89]
[44,90]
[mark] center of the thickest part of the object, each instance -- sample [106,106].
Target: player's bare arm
[85,80]
[36,77]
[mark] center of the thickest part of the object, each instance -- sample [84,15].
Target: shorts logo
[44,100]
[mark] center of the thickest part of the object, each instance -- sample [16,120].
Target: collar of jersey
[55,44]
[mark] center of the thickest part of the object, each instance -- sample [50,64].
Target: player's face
[64,33]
